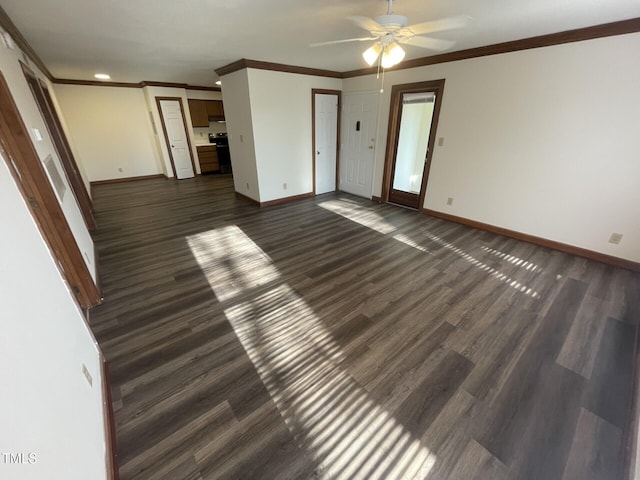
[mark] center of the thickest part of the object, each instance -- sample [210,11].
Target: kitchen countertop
[205,144]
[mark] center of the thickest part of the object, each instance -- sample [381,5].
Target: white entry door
[176,132]
[326,137]
[358,140]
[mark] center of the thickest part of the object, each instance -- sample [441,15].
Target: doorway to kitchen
[174,126]
[325,105]
[413,121]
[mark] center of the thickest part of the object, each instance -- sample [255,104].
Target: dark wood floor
[338,338]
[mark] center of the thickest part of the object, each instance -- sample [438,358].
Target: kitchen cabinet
[198,112]
[201,110]
[208,158]
[215,108]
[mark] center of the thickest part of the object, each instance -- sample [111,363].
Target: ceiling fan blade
[368,24]
[448,23]
[333,42]
[428,42]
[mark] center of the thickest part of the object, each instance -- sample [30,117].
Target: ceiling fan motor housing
[392,22]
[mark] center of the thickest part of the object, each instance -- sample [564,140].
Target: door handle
[172,146]
[370,147]
[318,152]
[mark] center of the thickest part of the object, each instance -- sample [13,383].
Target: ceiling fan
[391,30]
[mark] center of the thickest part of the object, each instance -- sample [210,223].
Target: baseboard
[376,199]
[280,201]
[111,451]
[248,199]
[543,242]
[127,179]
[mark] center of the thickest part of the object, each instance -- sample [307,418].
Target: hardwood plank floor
[338,338]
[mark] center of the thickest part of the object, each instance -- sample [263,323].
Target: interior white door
[358,140]
[176,132]
[326,138]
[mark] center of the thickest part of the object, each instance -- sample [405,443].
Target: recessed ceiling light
[102,76]
[218,82]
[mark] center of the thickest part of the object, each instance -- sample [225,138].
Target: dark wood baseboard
[376,199]
[248,199]
[109,424]
[280,201]
[127,179]
[563,247]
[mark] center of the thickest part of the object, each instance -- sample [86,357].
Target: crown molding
[7,25]
[276,67]
[144,83]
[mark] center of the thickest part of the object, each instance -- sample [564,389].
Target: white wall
[238,112]
[541,141]
[46,407]
[111,129]
[281,116]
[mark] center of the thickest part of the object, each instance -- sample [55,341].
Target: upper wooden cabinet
[198,112]
[201,110]
[215,108]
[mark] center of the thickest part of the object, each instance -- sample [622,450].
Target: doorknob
[172,146]
[370,147]
[318,152]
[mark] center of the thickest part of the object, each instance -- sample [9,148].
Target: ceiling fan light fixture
[371,54]
[392,55]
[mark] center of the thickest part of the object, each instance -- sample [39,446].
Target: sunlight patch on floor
[328,412]
[359,214]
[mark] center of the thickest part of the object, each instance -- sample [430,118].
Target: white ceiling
[185,40]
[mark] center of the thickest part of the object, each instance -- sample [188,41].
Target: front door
[413,120]
[175,132]
[358,142]
[325,141]
[413,141]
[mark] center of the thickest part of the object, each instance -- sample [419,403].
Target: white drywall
[111,129]
[542,141]
[22,96]
[47,407]
[238,112]
[281,117]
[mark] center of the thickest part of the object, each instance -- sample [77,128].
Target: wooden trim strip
[275,67]
[127,179]
[7,24]
[280,201]
[376,199]
[568,36]
[543,242]
[111,450]
[144,83]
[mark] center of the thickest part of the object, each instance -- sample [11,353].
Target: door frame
[323,91]
[27,170]
[393,133]
[166,136]
[60,142]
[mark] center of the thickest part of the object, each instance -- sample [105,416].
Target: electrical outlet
[441,141]
[284,186]
[450,201]
[615,238]
[241,138]
[87,375]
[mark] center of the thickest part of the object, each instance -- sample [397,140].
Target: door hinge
[33,202]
